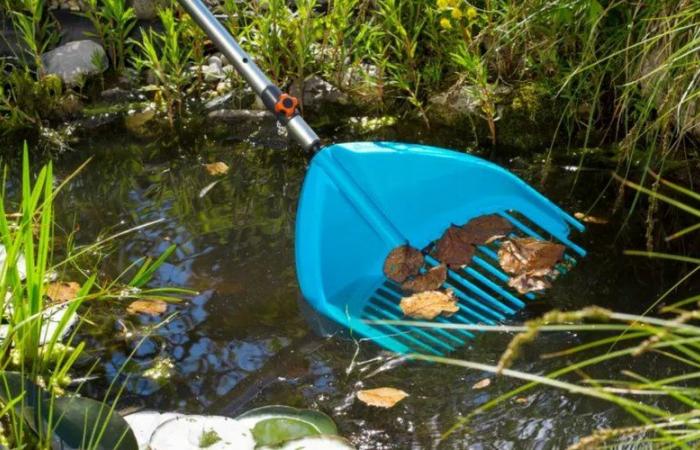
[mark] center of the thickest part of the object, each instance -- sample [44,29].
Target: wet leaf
[152,307]
[590,219]
[521,400]
[429,281]
[62,291]
[525,283]
[430,304]
[454,248]
[403,262]
[486,382]
[484,229]
[384,397]
[527,255]
[217,168]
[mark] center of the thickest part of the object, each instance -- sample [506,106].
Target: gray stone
[146,9]
[75,61]
[241,115]
[318,92]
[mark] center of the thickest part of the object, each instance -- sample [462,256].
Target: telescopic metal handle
[244,65]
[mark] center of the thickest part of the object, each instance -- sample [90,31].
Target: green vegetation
[623,74]
[36,339]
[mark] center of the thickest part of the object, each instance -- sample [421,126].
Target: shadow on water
[242,341]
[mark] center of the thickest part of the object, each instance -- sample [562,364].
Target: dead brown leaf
[527,255]
[486,382]
[430,304]
[151,307]
[217,168]
[384,397]
[521,400]
[403,262]
[590,219]
[428,281]
[484,229]
[454,248]
[62,291]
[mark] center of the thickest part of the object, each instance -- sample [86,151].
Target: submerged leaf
[403,262]
[429,281]
[384,397]
[454,248]
[152,307]
[484,229]
[486,382]
[590,219]
[217,168]
[430,304]
[62,291]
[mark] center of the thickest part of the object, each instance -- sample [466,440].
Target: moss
[208,438]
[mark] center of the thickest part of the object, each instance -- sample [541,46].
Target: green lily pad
[280,430]
[275,425]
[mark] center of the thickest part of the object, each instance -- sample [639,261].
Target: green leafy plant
[113,21]
[168,60]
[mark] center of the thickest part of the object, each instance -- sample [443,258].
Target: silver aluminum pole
[270,94]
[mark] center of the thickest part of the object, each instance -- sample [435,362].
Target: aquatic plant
[113,22]
[168,60]
[37,347]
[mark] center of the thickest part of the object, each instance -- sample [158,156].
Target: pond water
[243,340]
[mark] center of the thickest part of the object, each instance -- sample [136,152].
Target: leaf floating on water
[429,281]
[590,219]
[151,307]
[384,397]
[430,304]
[486,382]
[217,168]
[523,255]
[485,229]
[403,262]
[454,248]
[62,291]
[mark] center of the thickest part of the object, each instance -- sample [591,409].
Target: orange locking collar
[286,105]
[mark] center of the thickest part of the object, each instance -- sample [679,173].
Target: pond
[244,341]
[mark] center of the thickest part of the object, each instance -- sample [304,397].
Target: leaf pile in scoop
[486,229]
[429,281]
[429,304]
[403,262]
[454,248]
[531,261]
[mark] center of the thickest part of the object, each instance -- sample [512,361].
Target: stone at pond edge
[318,92]
[75,61]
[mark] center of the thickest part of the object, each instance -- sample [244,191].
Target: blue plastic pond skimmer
[361,200]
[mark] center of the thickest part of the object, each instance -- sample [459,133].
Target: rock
[146,9]
[75,61]
[241,116]
[318,92]
[212,72]
[116,95]
[137,123]
[523,114]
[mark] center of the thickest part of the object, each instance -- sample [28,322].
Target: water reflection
[241,341]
